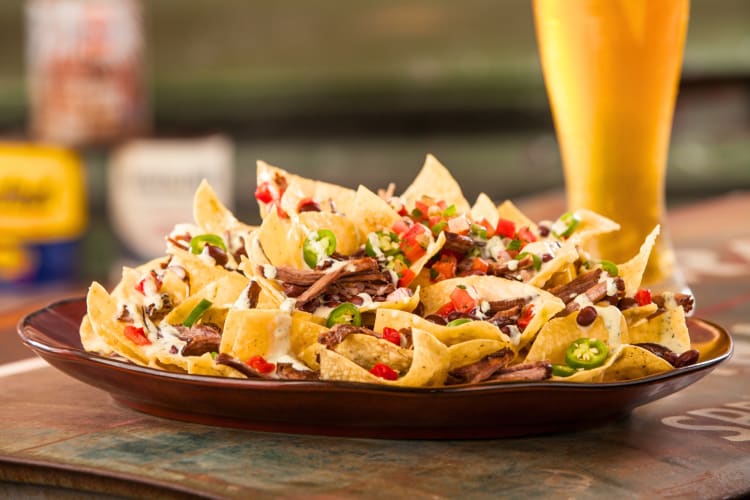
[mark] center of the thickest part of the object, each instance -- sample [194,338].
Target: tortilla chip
[366,351]
[668,329]
[507,210]
[471,351]
[371,213]
[199,272]
[299,188]
[448,335]
[632,271]
[557,334]
[436,181]
[592,224]
[627,362]
[91,341]
[102,313]
[222,294]
[211,215]
[484,208]
[303,339]
[348,238]
[281,241]
[563,259]
[492,288]
[429,365]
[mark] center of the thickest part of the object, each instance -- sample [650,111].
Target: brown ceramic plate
[348,409]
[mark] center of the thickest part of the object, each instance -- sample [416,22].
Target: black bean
[586,316]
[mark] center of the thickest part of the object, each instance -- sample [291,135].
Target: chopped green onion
[437,228]
[450,211]
[416,213]
[197,312]
[197,243]
[537,260]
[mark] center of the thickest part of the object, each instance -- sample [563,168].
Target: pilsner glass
[612,69]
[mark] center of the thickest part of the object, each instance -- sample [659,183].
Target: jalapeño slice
[586,353]
[344,313]
[317,246]
[562,370]
[459,321]
[197,243]
[197,312]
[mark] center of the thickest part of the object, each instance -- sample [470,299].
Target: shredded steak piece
[243,368]
[285,371]
[580,284]
[338,333]
[525,372]
[683,300]
[253,292]
[497,306]
[459,243]
[199,339]
[481,370]
[502,269]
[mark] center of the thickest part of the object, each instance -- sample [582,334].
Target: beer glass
[612,69]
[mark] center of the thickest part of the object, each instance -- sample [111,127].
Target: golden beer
[612,68]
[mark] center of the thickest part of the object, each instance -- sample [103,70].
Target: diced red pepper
[384,371]
[142,283]
[526,236]
[414,242]
[479,264]
[643,297]
[260,365]
[136,335]
[400,227]
[506,228]
[462,300]
[407,276]
[487,227]
[263,193]
[526,315]
[446,309]
[391,335]
[445,268]
[423,208]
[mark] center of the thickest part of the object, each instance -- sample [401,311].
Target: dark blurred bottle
[85,71]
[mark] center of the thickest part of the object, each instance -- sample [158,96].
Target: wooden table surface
[62,438]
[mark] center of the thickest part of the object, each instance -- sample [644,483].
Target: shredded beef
[525,372]
[285,371]
[677,360]
[199,339]
[253,292]
[481,370]
[459,243]
[338,333]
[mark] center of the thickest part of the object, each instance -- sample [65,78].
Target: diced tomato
[136,335]
[643,297]
[142,283]
[384,371]
[487,227]
[392,335]
[414,242]
[506,228]
[526,315]
[479,264]
[435,219]
[263,193]
[526,236]
[462,300]
[400,227]
[423,208]
[446,309]
[445,268]
[260,365]
[442,204]
[459,225]
[406,277]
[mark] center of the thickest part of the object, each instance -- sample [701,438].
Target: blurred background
[348,92]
